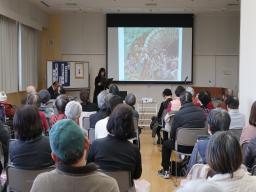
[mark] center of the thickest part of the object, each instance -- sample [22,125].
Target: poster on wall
[61,73]
[79,70]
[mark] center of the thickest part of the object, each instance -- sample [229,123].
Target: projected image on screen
[150,53]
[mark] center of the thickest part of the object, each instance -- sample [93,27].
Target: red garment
[9,109]
[210,106]
[56,118]
[196,102]
[44,121]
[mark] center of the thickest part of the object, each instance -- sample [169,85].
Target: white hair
[190,90]
[73,110]
[200,185]
[31,89]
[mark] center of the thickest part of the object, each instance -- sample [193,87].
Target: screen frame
[151,20]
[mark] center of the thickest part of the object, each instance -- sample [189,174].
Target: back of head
[190,90]
[44,96]
[3,96]
[200,186]
[31,89]
[185,97]
[27,123]
[102,100]
[73,110]
[33,99]
[218,120]
[112,102]
[120,122]
[167,92]
[232,102]
[113,88]
[67,141]
[84,95]
[224,153]
[130,99]
[61,103]
[204,97]
[252,118]
[179,90]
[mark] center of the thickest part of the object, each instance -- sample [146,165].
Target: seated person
[73,111]
[206,102]
[4,139]
[194,99]
[115,152]
[60,103]
[31,89]
[130,100]
[101,126]
[224,159]
[102,113]
[54,90]
[175,103]
[69,149]
[189,116]
[199,185]
[9,108]
[33,99]
[237,118]
[31,149]
[218,120]
[86,104]
[227,93]
[45,105]
[113,89]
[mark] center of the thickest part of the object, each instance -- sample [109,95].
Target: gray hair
[200,185]
[44,96]
[190,90]
[73,110]
[130,99]
[102,100]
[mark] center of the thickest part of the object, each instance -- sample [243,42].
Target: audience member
[45,105]
[113,89]
[86,104]
[194,99]
[4,139]
[206,102]
[130,100]
[60,103]
[30,89]
[218,120]
[115,152]
[102,113]
[237,118]
[31,149]
[249,156]
[53,90]
[227,93]
[69,150]
[175,104]
[33,99]
[200,185]
[189,116]
[249,132]
[8,107]
[73,111]
[101,126]
[224,157]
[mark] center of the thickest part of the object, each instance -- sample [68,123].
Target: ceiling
[138,6]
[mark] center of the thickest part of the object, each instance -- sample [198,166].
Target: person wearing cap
[69,149]
[73,111]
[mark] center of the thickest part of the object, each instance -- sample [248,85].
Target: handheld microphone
[186,80]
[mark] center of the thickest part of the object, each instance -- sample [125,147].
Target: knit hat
[66,138]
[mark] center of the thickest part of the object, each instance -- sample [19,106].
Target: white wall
[247,77]
[216,49]
[24,12]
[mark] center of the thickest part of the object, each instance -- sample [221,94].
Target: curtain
[8,55]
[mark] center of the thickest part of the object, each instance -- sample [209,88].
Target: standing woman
[99,84]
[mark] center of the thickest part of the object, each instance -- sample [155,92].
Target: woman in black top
[115,152]
[99,84]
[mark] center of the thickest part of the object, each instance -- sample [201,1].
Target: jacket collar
[187,105]
[87,169]
[236,175]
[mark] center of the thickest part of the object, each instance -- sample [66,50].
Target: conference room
[126,95]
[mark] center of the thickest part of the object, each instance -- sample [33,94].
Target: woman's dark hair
[204,97]
[61,103]
[84,96]
[218,120]
[102,70]
[232,102]
[113,88]
[33,99]
[224,153]
[167,92]
[252,119]
[27,123]
[121,123]
[179,90]
[185,97]
[112,101]
[130,99]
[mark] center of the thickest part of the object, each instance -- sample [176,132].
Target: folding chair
[91,135]
[84,120]
[124,180]
[21,180]
[187,137]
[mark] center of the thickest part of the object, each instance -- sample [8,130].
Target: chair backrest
[2,114]
[84,120]
[91,135]
[236,132]
[253,171]
[123,179]
[21,180]
[189,136]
